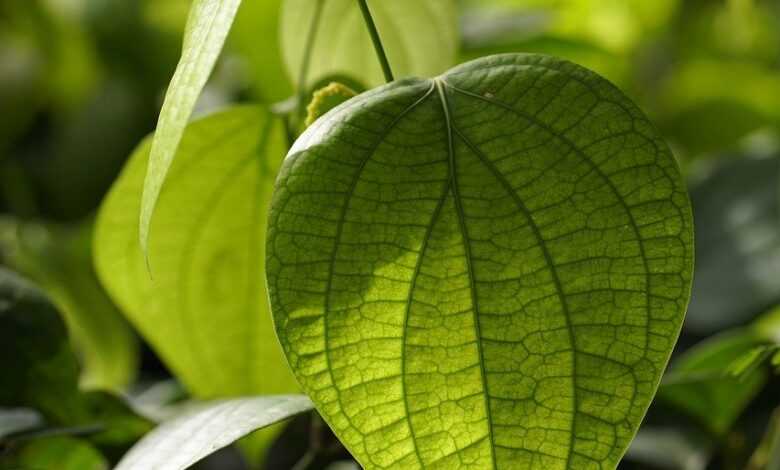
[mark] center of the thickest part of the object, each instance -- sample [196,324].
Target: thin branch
[380,50]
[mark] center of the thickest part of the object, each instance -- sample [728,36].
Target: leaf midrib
[453,176]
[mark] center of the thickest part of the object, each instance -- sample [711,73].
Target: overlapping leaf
[207,28]
[484,270]
[208,427]
[420,38]
[205,309]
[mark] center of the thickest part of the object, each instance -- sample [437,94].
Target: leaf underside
[191,436]
[484,270]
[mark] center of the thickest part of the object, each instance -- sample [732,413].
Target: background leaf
[699,384]
[184,440]
[490,267]
[40,371]
[60,452]
[419,36]
[13,420]
[205,311]
[256,37]
[59,258]
[207,28]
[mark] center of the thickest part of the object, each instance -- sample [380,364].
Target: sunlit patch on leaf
[488,269]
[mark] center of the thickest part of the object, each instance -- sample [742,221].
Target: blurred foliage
[59,258]
[40,371]
[60,452]
[82,81]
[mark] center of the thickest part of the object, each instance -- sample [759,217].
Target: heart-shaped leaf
[488,269]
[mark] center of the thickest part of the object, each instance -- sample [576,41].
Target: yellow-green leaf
[488,269]
[205,310]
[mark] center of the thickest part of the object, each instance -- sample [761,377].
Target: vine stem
[380,50]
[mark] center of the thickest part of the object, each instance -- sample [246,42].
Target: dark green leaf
[40,371]
[208,427]
[700,384]
[489,268]
[59,259]
[38,368]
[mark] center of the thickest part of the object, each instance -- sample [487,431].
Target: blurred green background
[82,82]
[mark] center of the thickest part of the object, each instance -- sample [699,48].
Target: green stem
[380,50]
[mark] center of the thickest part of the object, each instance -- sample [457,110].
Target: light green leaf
[196,433]
[205,311]
[59,258]
[486,270]
[419,36]
[255,37]
[207,27]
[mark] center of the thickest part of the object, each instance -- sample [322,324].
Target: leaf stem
[380,50]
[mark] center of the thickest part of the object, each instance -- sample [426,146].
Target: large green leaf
[59,258]
[487,269]
[205,308]
[207,28]
[208,427]
[420,38]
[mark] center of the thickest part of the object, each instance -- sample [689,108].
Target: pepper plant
[480,266]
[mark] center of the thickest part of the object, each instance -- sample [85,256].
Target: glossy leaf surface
[484,270]
[196,433]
